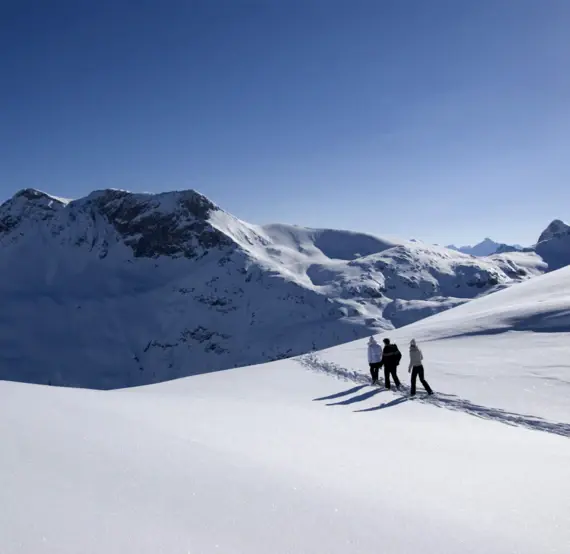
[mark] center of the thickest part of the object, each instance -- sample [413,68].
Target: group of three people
[389,358]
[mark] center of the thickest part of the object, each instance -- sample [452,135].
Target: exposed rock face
[28,205]
[554,245]
[555,230]
[152,229]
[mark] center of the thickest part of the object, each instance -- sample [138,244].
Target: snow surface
[303,456]
[510,349]
[122,289]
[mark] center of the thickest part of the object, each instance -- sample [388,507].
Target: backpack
[398,355]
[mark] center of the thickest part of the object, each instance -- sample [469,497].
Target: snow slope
[302,456]
[122,289]
[509,350]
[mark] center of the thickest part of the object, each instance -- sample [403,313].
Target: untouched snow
[303,456]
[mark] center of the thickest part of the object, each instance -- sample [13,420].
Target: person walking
[391,357]
[374,358]
[416,368]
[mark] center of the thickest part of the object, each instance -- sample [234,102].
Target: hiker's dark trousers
[418,371]
[391,370]
[374,368]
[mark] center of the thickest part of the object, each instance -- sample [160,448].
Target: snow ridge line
[448,401]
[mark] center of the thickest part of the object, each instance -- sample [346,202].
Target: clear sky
[441,120]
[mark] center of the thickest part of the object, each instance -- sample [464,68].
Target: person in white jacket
[416,368]
[374,358]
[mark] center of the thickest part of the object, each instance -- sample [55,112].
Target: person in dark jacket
[391,357]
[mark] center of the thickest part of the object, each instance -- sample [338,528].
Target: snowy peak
[185,202]
[487,247]
[554,245]
[28,204]
[556,229]
[40,198]
[166,224]
[486,243]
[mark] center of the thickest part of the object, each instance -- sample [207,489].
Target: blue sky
[441,120]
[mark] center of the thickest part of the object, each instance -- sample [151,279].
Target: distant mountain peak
[556,229]
[487,247]
[483,248]
[163,224]
[172,195]
[168,223]
[28,204]
[35,195]
[554,244]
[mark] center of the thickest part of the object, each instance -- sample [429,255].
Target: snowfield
[303,456]
[509,350]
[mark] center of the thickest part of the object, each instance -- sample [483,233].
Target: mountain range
[487,247]
[119,289]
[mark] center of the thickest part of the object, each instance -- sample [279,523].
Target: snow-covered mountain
[487,247]
[554,245]
[118,289]
[303,456]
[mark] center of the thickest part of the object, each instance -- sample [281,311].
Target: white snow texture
[303,456]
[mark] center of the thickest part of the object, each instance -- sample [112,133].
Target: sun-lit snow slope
[509,350]
[303,455]
[271,459]
[540,304]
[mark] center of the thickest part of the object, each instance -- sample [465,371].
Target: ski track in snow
[451,402]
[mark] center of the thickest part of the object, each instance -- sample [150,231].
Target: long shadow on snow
[440,400]
[340,394]
[390,404]
[355,399]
